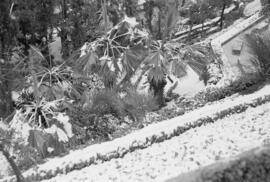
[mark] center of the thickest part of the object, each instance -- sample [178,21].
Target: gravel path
[195,148]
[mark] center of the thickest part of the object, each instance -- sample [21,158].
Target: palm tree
[125,48]
[172,59]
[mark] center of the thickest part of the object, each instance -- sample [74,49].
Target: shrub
[136,105]
[108,108]
[88,126]
[107,101]
[212,94]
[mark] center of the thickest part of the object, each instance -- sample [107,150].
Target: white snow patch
[62,136]
[50,149]
[21,128]
[140,2]
[64,119]
[131,20]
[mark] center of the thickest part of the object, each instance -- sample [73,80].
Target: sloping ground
[146,137]
[250,166]
[195,148]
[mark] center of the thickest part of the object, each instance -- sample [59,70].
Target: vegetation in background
[8,31]
[260,44]
[266,7]
[220,5]
[89,95]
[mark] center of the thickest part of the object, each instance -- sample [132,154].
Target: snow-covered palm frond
[196,57]
[55,74]
[38,113]
[117,54]
[157,64]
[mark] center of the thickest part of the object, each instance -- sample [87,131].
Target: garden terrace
[136,101]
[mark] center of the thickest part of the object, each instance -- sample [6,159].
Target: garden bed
[193,149]
[147,136]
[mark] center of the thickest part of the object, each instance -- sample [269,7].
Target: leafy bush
[107,110]
[107,101]
[212,94]
[137,105]
[43,129]
[87,126]
[98,118]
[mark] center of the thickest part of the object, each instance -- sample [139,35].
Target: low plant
[212,94]
[137,105]
[106,110]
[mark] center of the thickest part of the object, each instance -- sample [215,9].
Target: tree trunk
[13,165]
[222,15]
[190,31]
[158,91]
[159,35]
[183,3]
[64,9]
[149,15]
[6,106]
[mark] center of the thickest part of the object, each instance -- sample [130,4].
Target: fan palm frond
[85,63]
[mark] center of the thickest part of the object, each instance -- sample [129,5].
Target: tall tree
[8,31]
[205,11]
[221,5]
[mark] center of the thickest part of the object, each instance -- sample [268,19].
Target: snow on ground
[188,85]
[193,149]
[252,7]
[167,127]
[4,166]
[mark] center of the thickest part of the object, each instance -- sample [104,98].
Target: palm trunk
[64,9]
[149,16]
[159,35]
[190,31]
[183,3]
[13,165]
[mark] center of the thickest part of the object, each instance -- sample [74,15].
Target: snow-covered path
[195,148]
[252,8]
